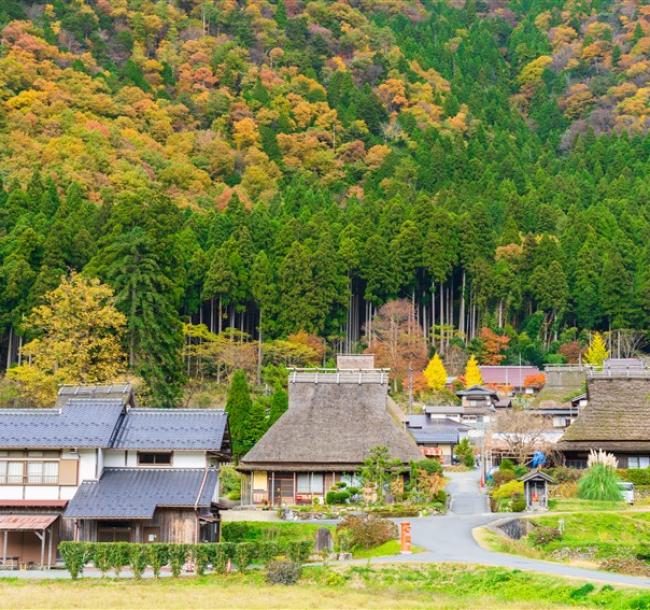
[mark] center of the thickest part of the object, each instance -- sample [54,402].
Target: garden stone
[324,540]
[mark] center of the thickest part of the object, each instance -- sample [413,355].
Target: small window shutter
[68,472]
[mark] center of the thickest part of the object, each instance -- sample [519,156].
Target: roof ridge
[175,411]
[151,469]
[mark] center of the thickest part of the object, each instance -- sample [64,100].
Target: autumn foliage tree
[77,340]
[472,373]
[596,353]
[435,373]
[493,346]
[398,342]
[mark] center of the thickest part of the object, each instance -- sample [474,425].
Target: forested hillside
[292,166]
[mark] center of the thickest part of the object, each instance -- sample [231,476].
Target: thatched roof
[617,416]
[331,424]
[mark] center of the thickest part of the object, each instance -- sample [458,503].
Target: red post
[405,538]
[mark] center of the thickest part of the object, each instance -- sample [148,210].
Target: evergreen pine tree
[239,407]
[279,404]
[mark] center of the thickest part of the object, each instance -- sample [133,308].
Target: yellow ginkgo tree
[78,332]
[596,353]
[435,373]
[472,373]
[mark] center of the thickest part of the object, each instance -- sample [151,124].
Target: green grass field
[416,586]
[579,505]
[587,538]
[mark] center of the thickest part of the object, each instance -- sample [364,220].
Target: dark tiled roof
[80,423]
[425,430]
[477,390]
[135,493]
[201,429]
[123,391]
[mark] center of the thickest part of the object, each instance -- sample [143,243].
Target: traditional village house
[335,417]
[615,419]
[96,468]
[437,437]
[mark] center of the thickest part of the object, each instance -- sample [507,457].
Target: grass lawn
[576,504]
[415,586]
[588,539]
[392,547]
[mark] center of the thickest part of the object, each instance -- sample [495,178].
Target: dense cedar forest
[293,165]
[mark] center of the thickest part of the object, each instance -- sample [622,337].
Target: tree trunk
[461,314]
[259,350]
[10,341]
[442,318]
[220,316]
[212,315]
[433,313]
[20,350]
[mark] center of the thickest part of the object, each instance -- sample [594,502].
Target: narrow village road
[449,538]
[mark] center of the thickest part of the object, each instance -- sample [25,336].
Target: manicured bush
[506,464]
[503,476]
[337,497]
[201,555]
[244,555]
[507,490]
[282,572]
[75,556]
[157,556]
[366,531]
[268,551]
[638,476]
[221,553]
[138,559]
[299,551]
[600,482]
[543,534]
[119,553]
[518,504]
[177,558]
[102,556]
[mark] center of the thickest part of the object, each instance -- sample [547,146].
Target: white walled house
[95,468]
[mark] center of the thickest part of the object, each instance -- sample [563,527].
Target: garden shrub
[337,496]
[544,534]
[583,591]
[567,489]
[120,554]
[75,556]
[201,555]
[157,556]
[562,474]
[236,531]
[366,531]
[269,550]
[506,464]
[221,553]
[638,476]
[138,559]
[518,504]
[503,476]
[507,490]
[244,555]
[283,572]
[177,558]
[299,551]
[102,556]
[600,482]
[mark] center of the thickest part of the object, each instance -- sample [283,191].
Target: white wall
[189,459]
[11,492]
[114,458]
[87,464]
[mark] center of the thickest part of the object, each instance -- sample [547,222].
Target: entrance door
[282,488]
[113,531]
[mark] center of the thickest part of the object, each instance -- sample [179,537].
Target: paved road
[449,538]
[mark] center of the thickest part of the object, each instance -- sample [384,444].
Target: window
[43,473]
[155,459]
[351,480]
[303,484]
[636,461]
[309,483]
[11,473]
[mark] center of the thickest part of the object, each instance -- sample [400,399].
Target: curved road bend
[449,538]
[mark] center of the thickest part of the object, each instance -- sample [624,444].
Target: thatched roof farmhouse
[616,418]
[334,419]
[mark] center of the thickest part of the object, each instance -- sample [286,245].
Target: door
[283,488]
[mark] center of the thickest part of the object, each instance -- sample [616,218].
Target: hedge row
[638,476]
[118,555]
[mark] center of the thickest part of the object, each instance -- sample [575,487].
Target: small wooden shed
[536,489]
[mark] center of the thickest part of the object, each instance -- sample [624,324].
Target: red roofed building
[511,376]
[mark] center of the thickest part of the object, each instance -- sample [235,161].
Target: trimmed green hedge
[118,555]
[638,476]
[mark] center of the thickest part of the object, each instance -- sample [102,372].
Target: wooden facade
[181,526]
